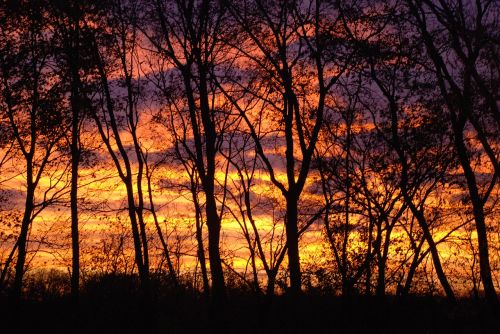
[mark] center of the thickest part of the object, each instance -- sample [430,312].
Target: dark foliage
[113,304]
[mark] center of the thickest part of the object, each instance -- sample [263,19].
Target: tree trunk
[368,277]
[171,270]
[271,283]
[132,115]
[478,211]
[23,237]
[381,279]
[433,249]
[418,214]
[413,268]
[292,239]
[383,260]
[75,160]
[201,248]
[73,55]
[213,224]
[143,271]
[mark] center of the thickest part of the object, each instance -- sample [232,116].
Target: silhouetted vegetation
[114,304]
[251,165]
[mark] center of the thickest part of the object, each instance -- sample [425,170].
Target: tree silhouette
[33,104]
[458,64]
[189,40]
[285,151]
[114,52]
[291,43]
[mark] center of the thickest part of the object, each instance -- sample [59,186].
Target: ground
[185,313]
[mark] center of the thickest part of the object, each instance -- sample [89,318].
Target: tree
[417,161]
[187,37]
[32,102]
[264,244]
[294,57]
[67,34]
[459,52]
[113,45]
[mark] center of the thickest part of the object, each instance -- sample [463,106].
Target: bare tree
[67,34]
[150,168]
[32,102]
[283,43]
[457,37]
[417,161]
[264,245]
[187,36]
[115,53]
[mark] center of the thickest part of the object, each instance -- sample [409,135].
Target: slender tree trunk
[23,237]
[142,224]
[292,239]
[140,170]
[74,64]
[383,260]
[368,277]
[203,264]
[478,211]
[413,268]
[6,265]
[256,285]
[143,271]
[140,218]
[126,176]
[208,183]
[199,240]
[75,160]
[433,249]
[171,270]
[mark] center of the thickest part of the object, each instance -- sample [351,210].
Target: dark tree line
[366,121]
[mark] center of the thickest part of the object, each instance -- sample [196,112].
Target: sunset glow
[224,148]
